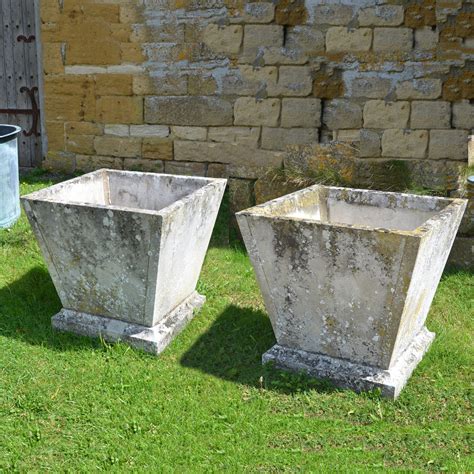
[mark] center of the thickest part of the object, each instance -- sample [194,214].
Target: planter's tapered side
[350,275]
[128,247]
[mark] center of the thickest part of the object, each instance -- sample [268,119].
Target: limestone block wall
[221,87]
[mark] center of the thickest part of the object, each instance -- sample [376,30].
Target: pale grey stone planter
[348,277]
[125,250]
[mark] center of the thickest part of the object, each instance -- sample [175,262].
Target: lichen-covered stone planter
[348,277]
[125,250]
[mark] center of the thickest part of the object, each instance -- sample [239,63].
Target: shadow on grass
[232,350]
[26,307]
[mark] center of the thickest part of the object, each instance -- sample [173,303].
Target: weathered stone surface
[247,136]
[426,39]
[325,268]
[332,14]
[156,131]
[185,168]
[342,40]
[448,144]
[381,114]
[157,149]
[188,111]
[300,113]
[398,143]
[258,12]
[257,36]
[189,133]
[428,114]
[419,89]
[306,39]
[280,138]
[463,115]
[248,80]
[149,166]
[116,255]
[294,81]
[341,114]
[369,144]
[118,130]
[249,111]
[393,39]
[381,15]
[116,109]
[223,39]
[153,340]
[290,12]
[365,85]
[117,146]
[230,153]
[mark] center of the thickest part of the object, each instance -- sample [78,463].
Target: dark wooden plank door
[19,76]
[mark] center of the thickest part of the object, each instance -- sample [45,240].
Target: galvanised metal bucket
[9,179]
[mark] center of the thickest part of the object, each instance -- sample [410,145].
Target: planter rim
[420,231]
[37,195]
[8,132]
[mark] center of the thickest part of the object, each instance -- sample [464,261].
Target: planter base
[149,339]
[357,377]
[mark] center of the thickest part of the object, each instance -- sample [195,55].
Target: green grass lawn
[206,404]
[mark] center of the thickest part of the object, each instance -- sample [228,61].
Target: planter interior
[125,246]
[350,274]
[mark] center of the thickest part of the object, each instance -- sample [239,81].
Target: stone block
[189,133]
[342,114]
[93,52]
[248,80]
[249,111]
[117,109]
[332,14]
[342,40]
[426,39]
[392,39]
[163,84]
[119,130]
[113,84]
[270,55]
[294,81]
[419,89]
[223,39]
[53,62]
[152,131]
[381,114]
[157,149]
[463,115]
[82,144]
[227,153]
[301,113]
[258,12]
[56,136]
[84,128]
[367,85]
[369,144]
[88,163]
[448,144]
[280,138]
[247,136]
[148,166]
[188,111]
[428,114]
[118,146]
[381,15]
[185,169]
[257,36]
[398,143]
[306,39]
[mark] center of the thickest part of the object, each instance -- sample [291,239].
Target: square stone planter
[125,251]
[348,277]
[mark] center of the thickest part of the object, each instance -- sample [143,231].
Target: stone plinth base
[345,374]
[149,339]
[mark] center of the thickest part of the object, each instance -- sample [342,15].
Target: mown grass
[72,404]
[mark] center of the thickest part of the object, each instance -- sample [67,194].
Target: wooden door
[19,77]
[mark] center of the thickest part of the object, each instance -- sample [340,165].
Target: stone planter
[348,277]
[125,250]
[9,181]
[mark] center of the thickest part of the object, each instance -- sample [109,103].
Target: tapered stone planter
[348,277]
[125,250]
